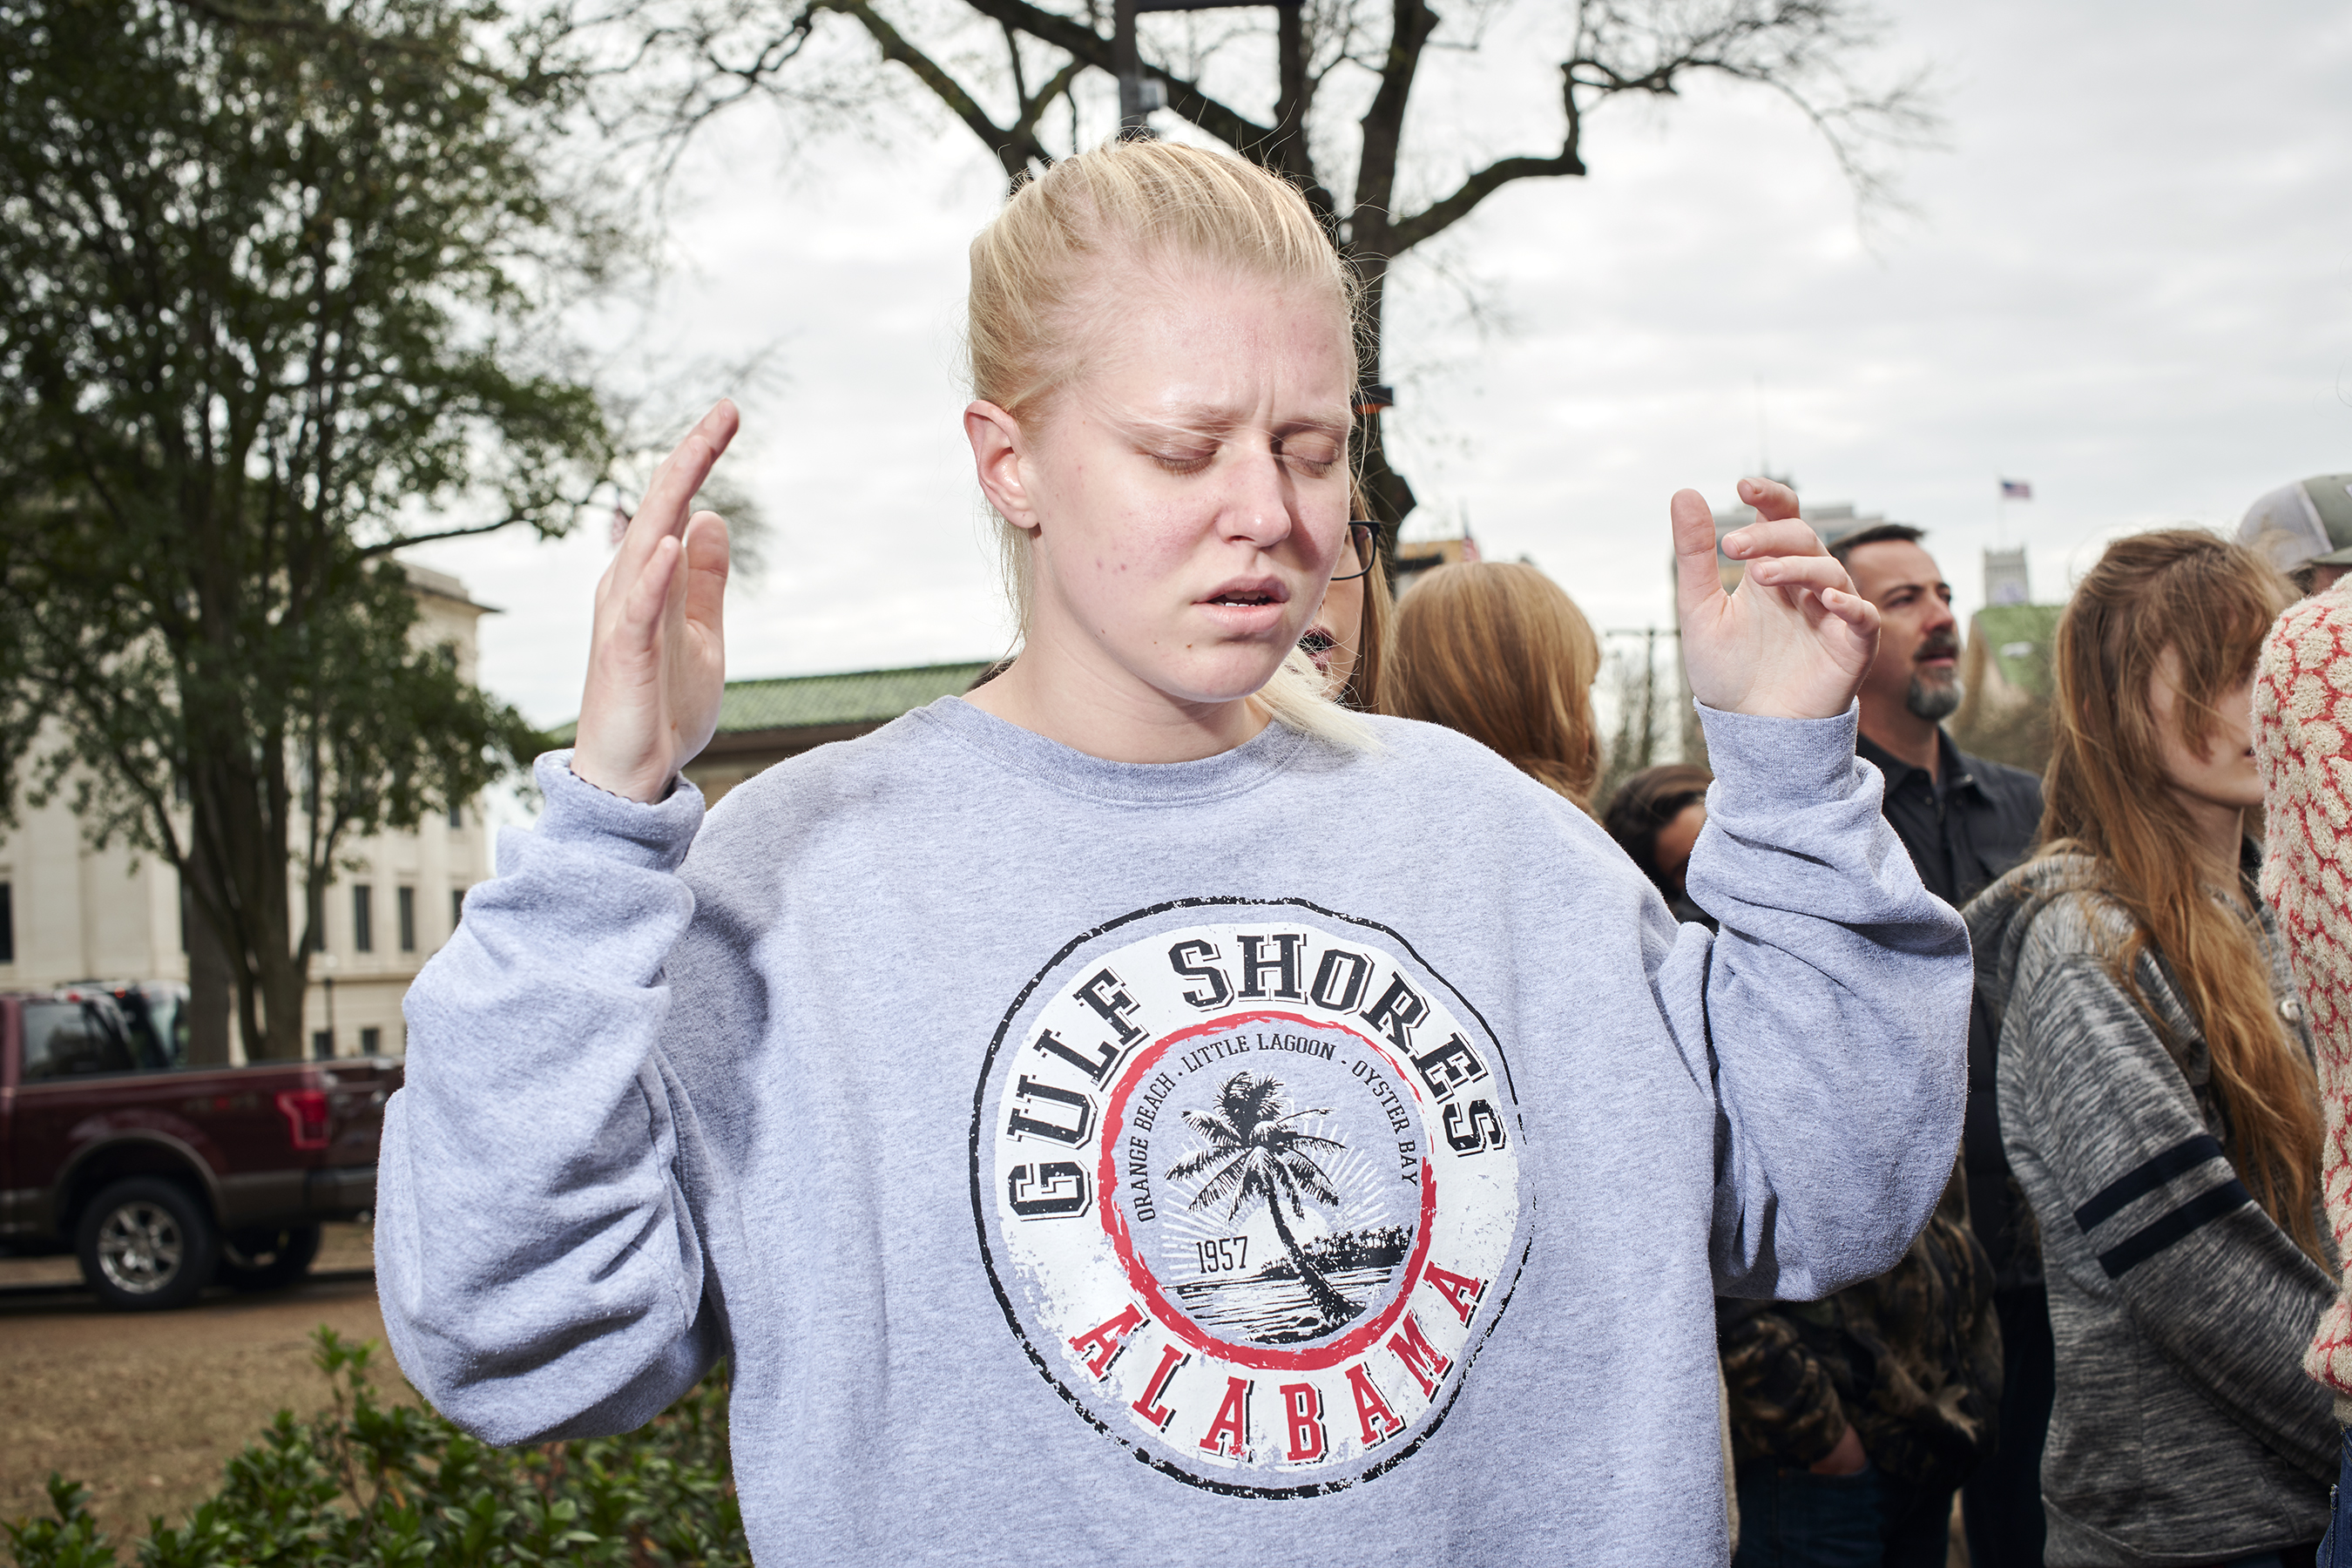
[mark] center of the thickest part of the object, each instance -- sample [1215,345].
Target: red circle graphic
[1174,1319]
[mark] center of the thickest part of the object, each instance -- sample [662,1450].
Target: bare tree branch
[1815,54]
[1057,86]
[1794,48]
[1371,225]
[1011,148]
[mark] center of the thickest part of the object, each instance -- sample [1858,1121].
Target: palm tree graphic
[1256,1152]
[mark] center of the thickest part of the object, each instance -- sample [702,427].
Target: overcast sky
[2128,282]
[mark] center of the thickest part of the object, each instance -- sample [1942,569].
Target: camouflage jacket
[1911,1359]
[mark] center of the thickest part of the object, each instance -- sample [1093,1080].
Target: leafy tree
[1253,1153]
[275,295]
[2008,683]
[1336,115]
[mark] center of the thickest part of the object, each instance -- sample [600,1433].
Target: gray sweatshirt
[1300,1154]
[2185,1430]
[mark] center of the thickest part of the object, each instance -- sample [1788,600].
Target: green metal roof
[2019,637]
[856,697]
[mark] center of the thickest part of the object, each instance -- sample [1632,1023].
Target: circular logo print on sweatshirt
[1247,1181]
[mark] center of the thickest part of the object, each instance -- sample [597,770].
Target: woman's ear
[997,451]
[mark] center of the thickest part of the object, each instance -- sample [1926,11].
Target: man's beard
[1935,701]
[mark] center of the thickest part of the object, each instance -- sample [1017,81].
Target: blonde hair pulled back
[1071,251]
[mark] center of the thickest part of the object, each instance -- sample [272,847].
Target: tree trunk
[208,985]
[1371,245]
[1391,497]
[284,980]
[236,844]
[1290,149]
[1336,1309]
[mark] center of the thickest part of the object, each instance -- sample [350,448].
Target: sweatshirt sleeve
[1831,1012]
[2097,1111]
[538,1267]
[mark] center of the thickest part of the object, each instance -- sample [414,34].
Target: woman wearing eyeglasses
[1143,1113]
[1350,638]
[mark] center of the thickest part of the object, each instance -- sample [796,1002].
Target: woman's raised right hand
[657,658]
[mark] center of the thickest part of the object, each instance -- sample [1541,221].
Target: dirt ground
[147,1408]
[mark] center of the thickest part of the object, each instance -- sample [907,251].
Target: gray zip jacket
[2185,1430]
[1296,1155]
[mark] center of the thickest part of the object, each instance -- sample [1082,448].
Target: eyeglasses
[1363,548]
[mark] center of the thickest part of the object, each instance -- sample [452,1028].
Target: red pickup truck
[165,1177]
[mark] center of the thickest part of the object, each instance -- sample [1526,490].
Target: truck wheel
[146,1246]
[268,1258]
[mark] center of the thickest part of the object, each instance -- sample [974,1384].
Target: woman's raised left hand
[1795,641]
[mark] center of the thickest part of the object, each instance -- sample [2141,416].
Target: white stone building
[69,913]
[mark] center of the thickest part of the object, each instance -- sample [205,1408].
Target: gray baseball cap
[2304,524]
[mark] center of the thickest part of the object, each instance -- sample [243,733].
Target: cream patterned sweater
[2303,737]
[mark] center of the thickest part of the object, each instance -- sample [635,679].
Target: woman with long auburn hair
[1498,651]
[2155,1084]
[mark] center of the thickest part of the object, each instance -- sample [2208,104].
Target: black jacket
[1911,1359]
[1965,831]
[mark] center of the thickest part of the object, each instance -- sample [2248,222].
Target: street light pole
[1128,65]
[1290,99]
[327,978]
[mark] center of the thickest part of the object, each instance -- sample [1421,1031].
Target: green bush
[363,1484]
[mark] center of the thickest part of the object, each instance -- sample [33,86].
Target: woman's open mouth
[1249,607]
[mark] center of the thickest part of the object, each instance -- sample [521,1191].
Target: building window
[322,1044]
[371,1041]
[457,907]
[456,813]
[362,918]
[406,898]
[7,924]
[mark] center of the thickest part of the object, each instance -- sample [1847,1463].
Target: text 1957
[1228,1256]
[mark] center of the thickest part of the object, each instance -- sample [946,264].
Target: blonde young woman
[2155,1084]
[1498,651]
[1142,1112]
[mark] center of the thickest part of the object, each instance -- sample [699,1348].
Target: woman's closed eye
[1184,461]
[1310,452]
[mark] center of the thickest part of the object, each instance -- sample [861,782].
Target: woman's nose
[1258,505]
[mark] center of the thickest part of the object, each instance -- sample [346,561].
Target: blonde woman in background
[1500,652]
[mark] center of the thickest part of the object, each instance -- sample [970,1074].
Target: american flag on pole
[2016,490]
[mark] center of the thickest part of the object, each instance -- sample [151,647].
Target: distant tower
[2004,577]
